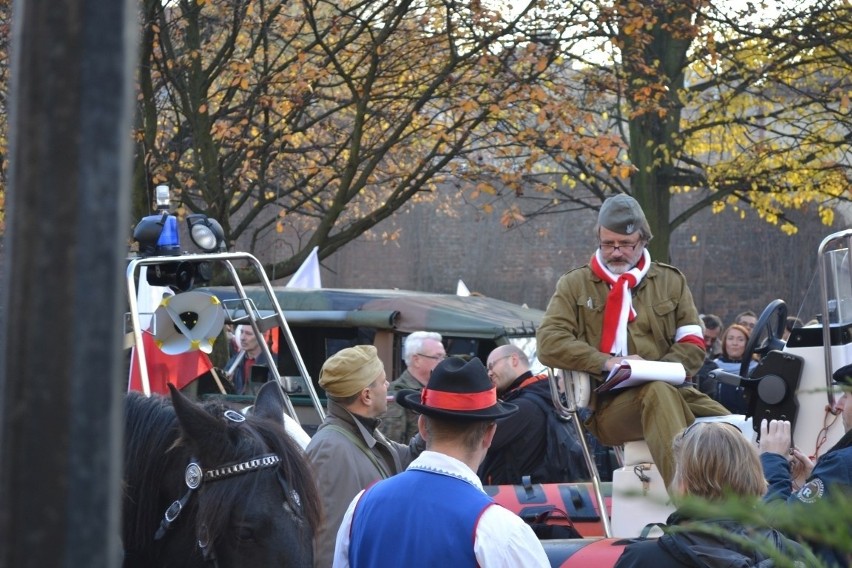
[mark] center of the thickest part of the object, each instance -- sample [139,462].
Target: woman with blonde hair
[716,463]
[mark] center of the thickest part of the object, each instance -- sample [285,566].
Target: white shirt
[502,538]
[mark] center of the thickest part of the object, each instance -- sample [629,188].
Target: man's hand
[801,467]
[775,437]
[613,361]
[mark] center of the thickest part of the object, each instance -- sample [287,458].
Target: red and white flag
[179,370]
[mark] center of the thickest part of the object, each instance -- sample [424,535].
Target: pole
[60,342]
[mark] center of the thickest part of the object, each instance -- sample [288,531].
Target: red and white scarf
[619,303]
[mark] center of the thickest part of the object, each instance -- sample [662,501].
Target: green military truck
[323,321]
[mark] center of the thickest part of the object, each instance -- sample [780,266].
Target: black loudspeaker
[776,381]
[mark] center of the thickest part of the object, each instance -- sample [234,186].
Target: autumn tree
[686,105]
[309,123]
[314,121]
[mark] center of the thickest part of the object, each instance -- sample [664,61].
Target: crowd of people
[726,351]
[401,465]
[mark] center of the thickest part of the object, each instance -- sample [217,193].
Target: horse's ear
[199,425]
[269,402]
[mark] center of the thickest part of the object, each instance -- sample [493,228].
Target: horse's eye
[244,533]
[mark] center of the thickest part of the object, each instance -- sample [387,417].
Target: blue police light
[157,234]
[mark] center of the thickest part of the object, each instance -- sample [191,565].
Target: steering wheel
[767,333]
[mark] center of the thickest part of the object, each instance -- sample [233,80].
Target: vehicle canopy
[323,321]
[401,310]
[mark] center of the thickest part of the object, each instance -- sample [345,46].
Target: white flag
[461,289]
[308,275]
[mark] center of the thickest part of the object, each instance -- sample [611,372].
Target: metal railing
[253,316]
[568,408]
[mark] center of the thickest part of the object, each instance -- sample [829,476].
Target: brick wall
[731,264]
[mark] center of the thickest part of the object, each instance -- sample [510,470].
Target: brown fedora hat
[457,390]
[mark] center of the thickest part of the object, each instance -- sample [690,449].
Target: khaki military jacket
[570,332]
[400,424]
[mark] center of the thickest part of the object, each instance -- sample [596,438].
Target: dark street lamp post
[61,304]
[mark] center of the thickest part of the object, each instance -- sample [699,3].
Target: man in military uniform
[624,306]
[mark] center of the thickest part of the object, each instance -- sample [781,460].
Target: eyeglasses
[440,357]
[495,361]
[609,247]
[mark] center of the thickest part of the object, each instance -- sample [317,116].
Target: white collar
[437,462]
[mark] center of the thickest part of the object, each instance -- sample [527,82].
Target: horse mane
[155,450]
[150,431]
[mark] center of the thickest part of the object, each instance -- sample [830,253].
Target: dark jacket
[693,549]
[239,378]
[704,383]
[832,472]
[519,444]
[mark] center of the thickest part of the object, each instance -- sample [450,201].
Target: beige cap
[621,214]
[350,370]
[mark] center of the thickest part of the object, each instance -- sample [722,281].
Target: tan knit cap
[349,370]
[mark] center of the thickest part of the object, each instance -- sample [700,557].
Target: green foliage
[825,522]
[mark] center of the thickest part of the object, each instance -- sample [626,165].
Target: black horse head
[256,504]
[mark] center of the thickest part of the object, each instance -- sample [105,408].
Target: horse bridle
[193,477]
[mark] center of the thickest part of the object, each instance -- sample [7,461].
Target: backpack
[564,460]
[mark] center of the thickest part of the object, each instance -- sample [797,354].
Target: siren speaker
[189,321]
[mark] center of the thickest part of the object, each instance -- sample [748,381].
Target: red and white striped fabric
[690,334]
[619,303]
